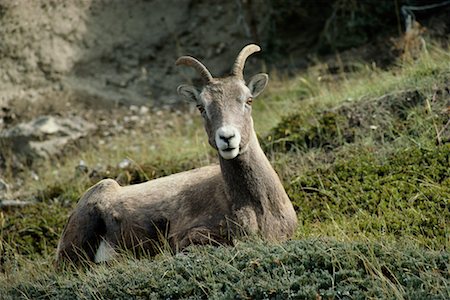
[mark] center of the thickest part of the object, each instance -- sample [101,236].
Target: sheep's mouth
[229,153]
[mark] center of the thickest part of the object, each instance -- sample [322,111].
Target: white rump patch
[105,252]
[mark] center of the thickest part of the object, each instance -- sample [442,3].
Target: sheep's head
[226,103]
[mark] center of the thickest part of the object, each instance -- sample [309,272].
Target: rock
[134,108]
[81,168]
[34,176]
[144,110]
[44,136]
[125,164]
[8,204]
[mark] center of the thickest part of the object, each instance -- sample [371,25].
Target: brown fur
[213,204]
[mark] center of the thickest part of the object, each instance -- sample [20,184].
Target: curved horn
[238,67]
[192,62]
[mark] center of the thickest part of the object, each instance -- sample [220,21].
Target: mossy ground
[365,162]
[382,172]
[306,269]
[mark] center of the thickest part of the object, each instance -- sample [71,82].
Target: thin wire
[407,10]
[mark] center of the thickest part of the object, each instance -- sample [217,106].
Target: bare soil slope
[114,50]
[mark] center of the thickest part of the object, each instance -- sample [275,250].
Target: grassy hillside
[298,269]
[364,157]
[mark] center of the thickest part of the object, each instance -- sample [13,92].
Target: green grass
[358,156]
[295,270]
[383,195]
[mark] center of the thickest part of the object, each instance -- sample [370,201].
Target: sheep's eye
[201,108]
[250,100]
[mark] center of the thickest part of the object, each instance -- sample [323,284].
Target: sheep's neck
[251,180]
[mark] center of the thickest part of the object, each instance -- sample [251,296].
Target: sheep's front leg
[198,236]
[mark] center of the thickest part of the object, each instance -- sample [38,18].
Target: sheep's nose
[226,134]
[226,137]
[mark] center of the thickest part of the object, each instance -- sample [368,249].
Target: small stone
[125,164]
[13,203]
[144,110]
[34,176]
[82,168]
[134,108]
[47,126]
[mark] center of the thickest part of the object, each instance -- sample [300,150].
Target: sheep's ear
[188,92]
[258,83]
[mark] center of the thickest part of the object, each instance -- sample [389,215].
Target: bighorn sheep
[213,204]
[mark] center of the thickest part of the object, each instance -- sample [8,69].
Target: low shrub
[308,269]
[401,193]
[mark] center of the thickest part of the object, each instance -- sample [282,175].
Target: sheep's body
[214,204]
[139,216]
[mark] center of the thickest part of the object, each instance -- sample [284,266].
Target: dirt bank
[107,51]
[113,50]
